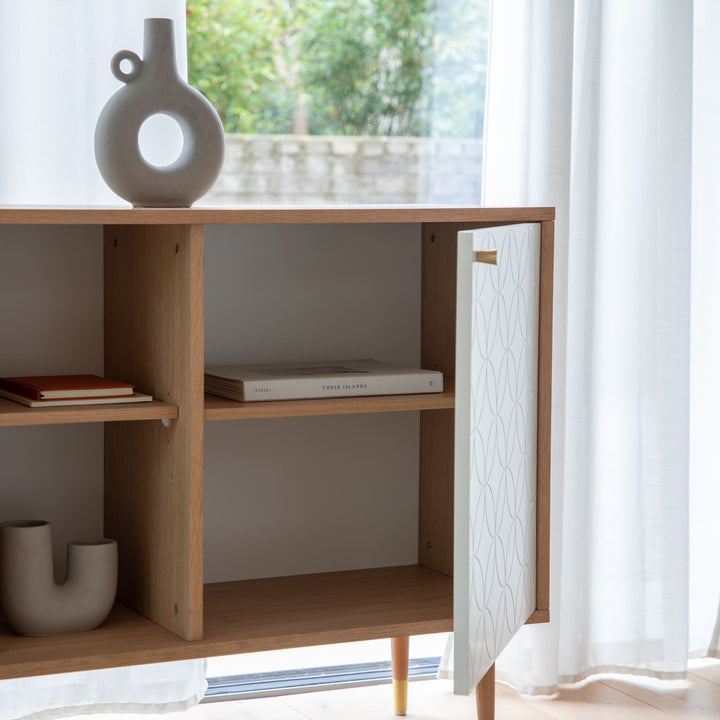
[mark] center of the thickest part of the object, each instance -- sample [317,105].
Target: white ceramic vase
[153,86]
[32,602]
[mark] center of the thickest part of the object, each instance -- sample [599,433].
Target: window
[344,101]
[282,672]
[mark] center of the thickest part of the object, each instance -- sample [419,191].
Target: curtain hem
[97,708]
[590,675]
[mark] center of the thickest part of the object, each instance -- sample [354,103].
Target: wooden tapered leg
[485,696]
[400,661]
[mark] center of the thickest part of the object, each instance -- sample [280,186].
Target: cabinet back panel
[305,495]
[51,321]
[301,293]
[54,473]
[309,292]
[51,298]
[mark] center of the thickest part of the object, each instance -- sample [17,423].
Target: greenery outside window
[344,101]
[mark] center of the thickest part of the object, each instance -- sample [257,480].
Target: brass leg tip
[400,691]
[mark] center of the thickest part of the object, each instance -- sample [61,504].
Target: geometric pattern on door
[501,496]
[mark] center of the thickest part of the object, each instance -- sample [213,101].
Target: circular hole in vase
[161,140]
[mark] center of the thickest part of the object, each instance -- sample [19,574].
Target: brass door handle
[486,256]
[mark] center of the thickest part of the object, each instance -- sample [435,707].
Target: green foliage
[457,81]
[344,67]
[230,60]
[365,65]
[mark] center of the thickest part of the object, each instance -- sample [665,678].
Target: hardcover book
[345,378]
[134,398]
[63,387]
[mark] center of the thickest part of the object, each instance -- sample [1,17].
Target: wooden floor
[629,699]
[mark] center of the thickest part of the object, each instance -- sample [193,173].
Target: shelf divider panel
[153,474]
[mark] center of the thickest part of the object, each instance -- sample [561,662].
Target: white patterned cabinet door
[495,443]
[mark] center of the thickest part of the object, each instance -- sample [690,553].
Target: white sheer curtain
[705,338]
[590,108]
[54,79]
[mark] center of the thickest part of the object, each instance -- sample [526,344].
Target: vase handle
[131,57]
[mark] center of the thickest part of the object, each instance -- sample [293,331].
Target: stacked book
[250,383]
[54,390]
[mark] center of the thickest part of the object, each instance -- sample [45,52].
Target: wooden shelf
[217,408]
[14,414]
[125,638]
[326,608]
[252,615]
[49,215]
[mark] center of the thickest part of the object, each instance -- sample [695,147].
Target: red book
[62,387]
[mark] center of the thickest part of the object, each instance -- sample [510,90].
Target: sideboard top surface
[88,215]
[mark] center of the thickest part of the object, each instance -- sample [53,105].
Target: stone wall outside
[312,169]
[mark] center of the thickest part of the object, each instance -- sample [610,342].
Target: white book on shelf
[326,379]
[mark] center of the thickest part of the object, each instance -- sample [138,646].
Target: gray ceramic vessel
[33,603]
[153,86]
